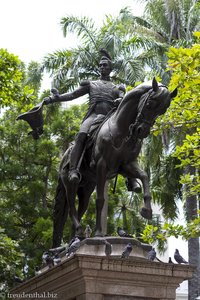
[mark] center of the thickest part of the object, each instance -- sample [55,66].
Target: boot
[75,156]
[133,185]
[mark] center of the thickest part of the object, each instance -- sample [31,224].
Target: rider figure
[103,96]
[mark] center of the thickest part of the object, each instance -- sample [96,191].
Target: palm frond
[57,60]
[84,27]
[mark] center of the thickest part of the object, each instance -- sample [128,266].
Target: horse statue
[114,150]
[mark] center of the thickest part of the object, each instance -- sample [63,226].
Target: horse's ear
[155,85]
[174,93]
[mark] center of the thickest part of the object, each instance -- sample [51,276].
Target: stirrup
[74,175]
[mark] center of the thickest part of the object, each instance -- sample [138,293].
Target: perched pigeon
[178,258]
[127,251]
[47,259]
[71,242]
[37,271]
[45,256]
[25,269]
[88,231]
[121,232]
[73,247]
[108,248]
[152,254]
[18,279]
[170,261]
[56,260]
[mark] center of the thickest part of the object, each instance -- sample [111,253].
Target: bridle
[139,119]
[140,116]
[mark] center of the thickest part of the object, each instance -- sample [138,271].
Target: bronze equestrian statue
[113,150]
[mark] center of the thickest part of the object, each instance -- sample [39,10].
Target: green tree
[29,171]
[174,21]
[10,261]
[183,116]
[13,90]
[29,168]
[186,113]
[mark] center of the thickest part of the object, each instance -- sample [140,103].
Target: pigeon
[45,255]
[170,261]
[127,251]
[122,233]
[37,271]
[71,242]
[25,269]
[18,279]
[73,247]
[108,248]
[152,254]
[178,258]
[88,231]
[47,259]
[56,260]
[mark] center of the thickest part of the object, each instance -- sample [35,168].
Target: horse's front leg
[100,199]
[133,170]
[146,211]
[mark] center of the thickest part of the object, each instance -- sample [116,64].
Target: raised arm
[83,89]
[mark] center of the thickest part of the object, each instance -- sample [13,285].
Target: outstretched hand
[53,98]
[47,100]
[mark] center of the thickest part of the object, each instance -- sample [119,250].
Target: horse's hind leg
[133,170]
[60,214]
[84,193]
[71,191]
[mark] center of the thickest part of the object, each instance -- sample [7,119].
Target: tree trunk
[193,244]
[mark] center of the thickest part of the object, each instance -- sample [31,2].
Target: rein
[124,140]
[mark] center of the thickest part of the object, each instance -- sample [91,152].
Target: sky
[30,29]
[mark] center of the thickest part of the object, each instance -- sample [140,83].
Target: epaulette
[85,82]
[121,87]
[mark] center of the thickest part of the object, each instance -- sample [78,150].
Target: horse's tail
[60,213]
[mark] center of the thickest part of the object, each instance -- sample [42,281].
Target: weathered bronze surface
[114,150]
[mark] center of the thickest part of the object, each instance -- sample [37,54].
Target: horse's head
[151,105]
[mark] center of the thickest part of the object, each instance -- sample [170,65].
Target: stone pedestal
[97,277]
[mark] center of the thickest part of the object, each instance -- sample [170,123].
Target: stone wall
[89,277]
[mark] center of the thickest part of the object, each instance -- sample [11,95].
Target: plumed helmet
[105,56]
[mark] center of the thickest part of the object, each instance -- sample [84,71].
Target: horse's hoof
[146,213]
[98,234]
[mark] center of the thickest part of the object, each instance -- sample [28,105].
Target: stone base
[95,246]
[92,277]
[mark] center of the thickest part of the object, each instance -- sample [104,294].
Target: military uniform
[102,96]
